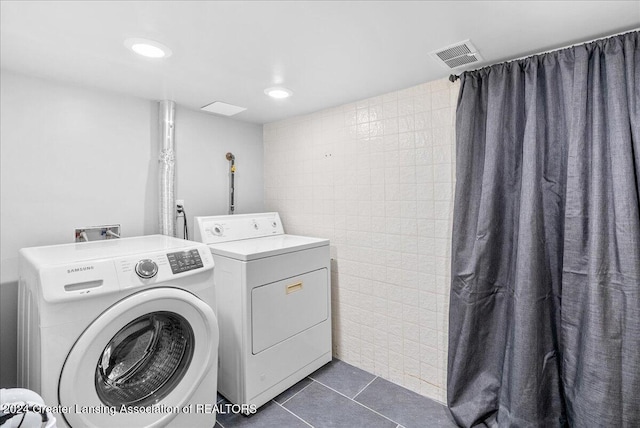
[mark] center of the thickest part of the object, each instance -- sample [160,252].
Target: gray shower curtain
[544,324]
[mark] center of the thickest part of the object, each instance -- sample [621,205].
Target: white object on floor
[124,322]
[274,304]
[17,401]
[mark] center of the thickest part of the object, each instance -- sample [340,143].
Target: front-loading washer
[120,332]
[273,292]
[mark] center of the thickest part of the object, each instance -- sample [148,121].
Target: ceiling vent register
[457,55]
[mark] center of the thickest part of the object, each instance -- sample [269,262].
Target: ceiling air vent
[457,55]
[218,107]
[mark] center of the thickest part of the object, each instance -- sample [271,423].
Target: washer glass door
[141,360]
[144,360]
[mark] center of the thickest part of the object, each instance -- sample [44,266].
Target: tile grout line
[305,387]
[357,402]
[217,421]
[365,387]
[307,423]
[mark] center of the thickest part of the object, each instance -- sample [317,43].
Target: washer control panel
[225,228]
[152,268]
[183,261]
[110,274]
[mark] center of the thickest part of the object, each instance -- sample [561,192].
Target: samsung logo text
[80,269]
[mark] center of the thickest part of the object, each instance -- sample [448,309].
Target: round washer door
[140,360]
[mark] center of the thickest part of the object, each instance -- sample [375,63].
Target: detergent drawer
[282,309]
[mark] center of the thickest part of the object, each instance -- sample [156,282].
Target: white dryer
[120,332]
[273,293]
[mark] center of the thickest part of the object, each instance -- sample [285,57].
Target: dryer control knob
[146,268]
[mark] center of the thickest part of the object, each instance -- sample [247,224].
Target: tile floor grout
[365,387]
[357,402]
[305,387]
[294,413]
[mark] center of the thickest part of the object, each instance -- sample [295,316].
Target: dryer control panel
[225,228]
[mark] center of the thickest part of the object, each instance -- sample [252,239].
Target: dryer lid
[258,248]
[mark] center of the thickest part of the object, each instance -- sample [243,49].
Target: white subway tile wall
[376,177]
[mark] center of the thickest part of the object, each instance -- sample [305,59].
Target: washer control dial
[146,268]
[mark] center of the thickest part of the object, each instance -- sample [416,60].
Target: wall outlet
[180,208]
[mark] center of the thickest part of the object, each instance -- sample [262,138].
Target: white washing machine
[273,294]
[120,332]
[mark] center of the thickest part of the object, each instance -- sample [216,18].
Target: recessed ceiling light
[148,48]
[278,92]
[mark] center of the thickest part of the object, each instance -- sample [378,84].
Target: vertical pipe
[232,172]
[166,160]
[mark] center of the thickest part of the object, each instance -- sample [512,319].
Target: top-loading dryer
[273,297]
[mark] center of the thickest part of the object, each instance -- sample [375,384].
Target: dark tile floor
[340,395]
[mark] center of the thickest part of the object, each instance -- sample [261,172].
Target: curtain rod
[454,77]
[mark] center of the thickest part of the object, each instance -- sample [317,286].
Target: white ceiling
[328,53]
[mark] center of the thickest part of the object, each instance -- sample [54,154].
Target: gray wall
[72,156]
[202,141]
